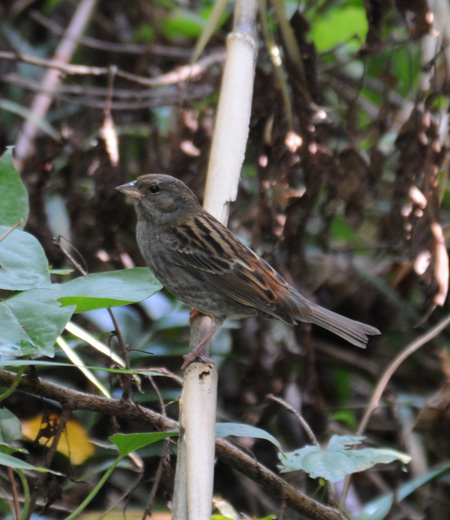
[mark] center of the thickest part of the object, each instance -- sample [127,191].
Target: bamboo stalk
[193,497]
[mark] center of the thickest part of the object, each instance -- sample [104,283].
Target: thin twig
[155,99]
[163,461]
[82,269]
[16,225]
[15,495]
[283,507]
[309,432]
[384,380]
[182,73]
[64,417]
[125,356]
[125,48]
[392,368]
[158,393]
[299,417]
[92,96]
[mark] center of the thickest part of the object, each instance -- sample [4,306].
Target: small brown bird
[205,266]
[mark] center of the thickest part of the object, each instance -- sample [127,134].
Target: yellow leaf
[74,442]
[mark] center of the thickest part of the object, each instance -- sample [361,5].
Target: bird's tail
[353,331]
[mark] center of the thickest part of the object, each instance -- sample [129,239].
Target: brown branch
[125,48]
[228,453]
[15,494]
[184,73]
[95,97]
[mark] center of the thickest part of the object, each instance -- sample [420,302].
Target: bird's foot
[197,353]
[194,355]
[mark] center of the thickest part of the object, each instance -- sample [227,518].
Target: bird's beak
[130,190]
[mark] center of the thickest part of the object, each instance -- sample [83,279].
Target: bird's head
[160,199]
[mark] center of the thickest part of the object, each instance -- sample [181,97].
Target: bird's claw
[194,355]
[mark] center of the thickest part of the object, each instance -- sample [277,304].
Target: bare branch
[230,454]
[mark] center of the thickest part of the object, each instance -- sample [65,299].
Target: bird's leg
[193,314]
[197,353]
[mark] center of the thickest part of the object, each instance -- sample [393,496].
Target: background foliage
[344,191]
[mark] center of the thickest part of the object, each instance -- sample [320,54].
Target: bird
[203,264]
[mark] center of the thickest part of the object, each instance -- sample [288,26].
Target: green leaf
[10,427]
[30,322]
[12,462]
[183,22]
[342,231]
[244,430]
[134,441]
[13,196]
[338,460]
[23,264]
[8,450]
[339,25]
[109,289]
[379,509]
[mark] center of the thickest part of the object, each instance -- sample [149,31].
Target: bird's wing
[210,252]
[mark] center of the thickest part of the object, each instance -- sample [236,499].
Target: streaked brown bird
[205,266]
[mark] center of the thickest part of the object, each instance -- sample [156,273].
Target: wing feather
[211,253]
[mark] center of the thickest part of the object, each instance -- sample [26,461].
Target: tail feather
[353,331]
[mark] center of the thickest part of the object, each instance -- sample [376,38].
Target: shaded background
[344,191]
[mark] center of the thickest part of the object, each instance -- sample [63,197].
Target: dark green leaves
[33,311]
[14,199]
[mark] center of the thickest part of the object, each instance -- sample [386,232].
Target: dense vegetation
[344,191]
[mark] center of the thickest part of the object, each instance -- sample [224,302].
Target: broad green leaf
[134,441]
[339,25]
[338,459]
[23,264]
[10,428]
[30,322]
[13,196]
[109,289]
[244,430]
[379,509]
[12,462]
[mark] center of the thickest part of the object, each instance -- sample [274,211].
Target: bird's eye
[154,189]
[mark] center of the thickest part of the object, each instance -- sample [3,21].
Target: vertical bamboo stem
[195,464]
